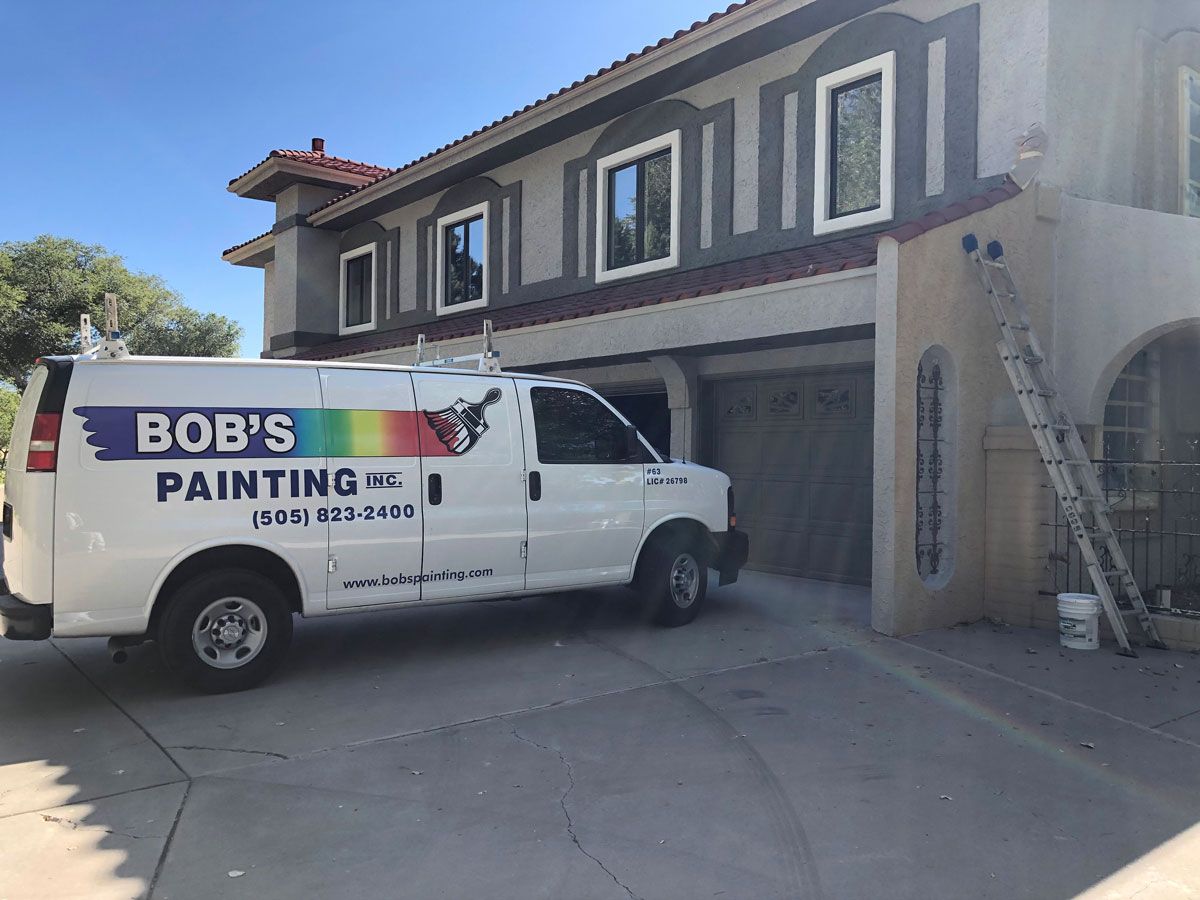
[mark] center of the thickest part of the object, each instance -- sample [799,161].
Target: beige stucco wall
[936,300]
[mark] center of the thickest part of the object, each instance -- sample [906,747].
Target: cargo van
[202,503]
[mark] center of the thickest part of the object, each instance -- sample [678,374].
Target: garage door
[798,448]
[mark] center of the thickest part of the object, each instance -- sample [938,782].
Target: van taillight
[732,508]
[43,443]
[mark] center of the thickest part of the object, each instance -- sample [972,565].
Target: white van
[200,503]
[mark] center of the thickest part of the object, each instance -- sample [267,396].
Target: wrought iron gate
[1155,510]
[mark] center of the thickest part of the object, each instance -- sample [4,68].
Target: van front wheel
[225,631]
[673,578]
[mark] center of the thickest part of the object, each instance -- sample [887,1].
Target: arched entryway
[1147,451]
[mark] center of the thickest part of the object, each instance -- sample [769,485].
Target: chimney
[318,145]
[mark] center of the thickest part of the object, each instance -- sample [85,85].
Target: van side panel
[158,460]
[29,552]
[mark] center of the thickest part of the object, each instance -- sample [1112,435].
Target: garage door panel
[780,551]
[785,452]
[785,500]
[836,557]
[840,452]
[798,448]
[841,503]
[740,451]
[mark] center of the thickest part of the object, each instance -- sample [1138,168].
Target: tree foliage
[47,283]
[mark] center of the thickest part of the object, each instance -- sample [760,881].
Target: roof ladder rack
[488,360]
[1060,446]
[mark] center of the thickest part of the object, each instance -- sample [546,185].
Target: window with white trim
[1131,430]
[1189,145]
[637,209]
[855,142]
[462,244]
[356,303]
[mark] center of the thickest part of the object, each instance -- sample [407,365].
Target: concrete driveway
[559,747]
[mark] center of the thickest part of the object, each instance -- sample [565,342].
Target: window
[1189,133]
[1131,431]
[855,145]
[357,294]
[637,209]
[462,260]
[574,427]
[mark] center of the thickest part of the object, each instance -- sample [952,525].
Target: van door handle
[435,489]
[535,485]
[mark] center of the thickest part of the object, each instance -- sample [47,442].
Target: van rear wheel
[673,579]
[225,631]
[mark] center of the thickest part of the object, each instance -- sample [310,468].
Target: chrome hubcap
[685,580]
[229,632]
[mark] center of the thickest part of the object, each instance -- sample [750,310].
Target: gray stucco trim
[299,340]
[504,244]
[289,222]
[856,41]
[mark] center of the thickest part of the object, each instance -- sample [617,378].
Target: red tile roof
[245,243]
[804,262]
[615,64]
[317,158]
[953,212]
[838,255]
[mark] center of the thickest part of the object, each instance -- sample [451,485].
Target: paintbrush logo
[461,424]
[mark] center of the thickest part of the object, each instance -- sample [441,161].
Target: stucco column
[883,532]
[304,302]
[683,394]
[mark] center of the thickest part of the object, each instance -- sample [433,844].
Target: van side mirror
[633,446]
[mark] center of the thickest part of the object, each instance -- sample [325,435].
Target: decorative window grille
[935,435]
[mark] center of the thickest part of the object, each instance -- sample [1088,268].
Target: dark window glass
[464,254]
[639,210]
[574,427]
[855,146]
[358,291]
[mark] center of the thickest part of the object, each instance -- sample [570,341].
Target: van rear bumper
[733,549]
[21,621]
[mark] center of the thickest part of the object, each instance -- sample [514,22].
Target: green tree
[47,283]
[8,409]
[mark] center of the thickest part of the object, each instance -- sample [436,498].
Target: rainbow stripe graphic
[372,432]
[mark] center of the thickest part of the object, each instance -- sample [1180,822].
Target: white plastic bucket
[1079,621]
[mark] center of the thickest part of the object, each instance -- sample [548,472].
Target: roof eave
[254,254]
[274,173]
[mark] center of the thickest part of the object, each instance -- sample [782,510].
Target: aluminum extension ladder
[1062,450]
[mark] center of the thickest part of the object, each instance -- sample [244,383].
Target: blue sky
[123,122]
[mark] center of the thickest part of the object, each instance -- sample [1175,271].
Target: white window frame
[1186,137]
[669,141]
[440,276]
[885,65]
[369,325]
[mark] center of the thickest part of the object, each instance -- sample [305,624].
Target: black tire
[229,600]
[659,571]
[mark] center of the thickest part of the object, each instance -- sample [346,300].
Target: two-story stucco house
[748,237]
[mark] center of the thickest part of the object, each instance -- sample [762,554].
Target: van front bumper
[21,621]
[733,549]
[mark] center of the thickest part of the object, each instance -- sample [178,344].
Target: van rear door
[30,479]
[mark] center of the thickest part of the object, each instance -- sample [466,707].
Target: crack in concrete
[226,750]
[562,802]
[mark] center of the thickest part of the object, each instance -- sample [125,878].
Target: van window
[574,427]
